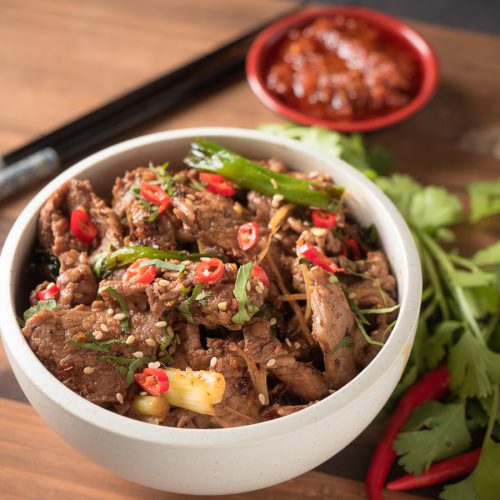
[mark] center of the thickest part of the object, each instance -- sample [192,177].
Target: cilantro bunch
[459,323]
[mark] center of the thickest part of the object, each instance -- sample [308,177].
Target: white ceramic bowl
[215,461]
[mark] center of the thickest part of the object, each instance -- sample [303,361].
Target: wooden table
[60,59]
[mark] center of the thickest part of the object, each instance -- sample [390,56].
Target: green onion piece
[134,366]
[206,155]
[128,255]
[124,323]
[185,306]
[91,346]
[345,343]
[240,292]
[383,310]
[169,266]
[48,305]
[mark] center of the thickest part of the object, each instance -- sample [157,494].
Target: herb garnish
[240,292]
[132,365]
[345,343]
[197,294]
[125,322]
[168,266]
[93,344]
[48,305]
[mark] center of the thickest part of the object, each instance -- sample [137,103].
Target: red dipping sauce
[341,68]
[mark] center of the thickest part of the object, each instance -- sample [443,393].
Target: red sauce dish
[345,68]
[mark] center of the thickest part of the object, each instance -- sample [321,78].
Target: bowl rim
[273,33]
[108,421]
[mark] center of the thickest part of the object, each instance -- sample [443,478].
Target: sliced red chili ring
[153,380]
[259,273]
[209,270]
[136,273]
[327,220]
[248,235]
[217,184]
[317,257]
[156,195]
[353,247]
[51,292]
[82,227]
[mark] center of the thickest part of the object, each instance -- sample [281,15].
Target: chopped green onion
[169,266]
[240,292]
[91,346]
[124,323]
[383,310]
[345,343]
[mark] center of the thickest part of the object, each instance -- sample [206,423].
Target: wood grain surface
[62,58]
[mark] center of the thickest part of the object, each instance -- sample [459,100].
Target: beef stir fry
[218,293]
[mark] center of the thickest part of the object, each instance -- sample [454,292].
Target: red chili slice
[156,195]
[51,292]
[209,270]
[153,380]
[259,273]
[327,220]
[137,274]
[353,247]
[248,235]
[81,226]
[316,256]
[217,184]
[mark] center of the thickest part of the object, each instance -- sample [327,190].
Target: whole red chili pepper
[451,468]
[433,385]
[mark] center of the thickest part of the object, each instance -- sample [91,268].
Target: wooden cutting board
[60,59]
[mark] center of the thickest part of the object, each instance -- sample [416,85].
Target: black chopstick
[50,153]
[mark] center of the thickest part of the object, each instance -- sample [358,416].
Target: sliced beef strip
[53,225]
[76,280]
[332,319]
[322,238]
[363,351]
[196,356]
[211,219]
[240,404]
[219,305]
[48,333]
[303,379]
[376,266]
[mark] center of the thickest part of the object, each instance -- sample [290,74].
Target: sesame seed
[143,393]
[262,399]
[272,321]
[104,327]
[130,340]
[111,311]
[206,273]
[353,295]
[138,354]
[277,199]
[98,336]
[297,345]
[97,332]
[280,412]
[150,342]
[313,174]
[161,324]
[222,306]
[163,282]
[88,370]
[287,342]
[154,364]
[190,196]
[119,316]
[331,391]
[271,362]
[238,208]
[319,231]
[187,262]
[119,397]
[274,183]
[259,289]
[205,259]
[170,331]
[213,362]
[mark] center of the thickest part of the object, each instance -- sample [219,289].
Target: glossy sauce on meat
[341,68]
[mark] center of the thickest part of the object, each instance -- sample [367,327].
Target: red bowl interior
[265,47]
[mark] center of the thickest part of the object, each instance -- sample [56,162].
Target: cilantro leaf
[467,279]
[240,292]
[401,189]
[488,256]
[434,431]
[484,199]
[185,306]
[438,342]
[464,490]
[48,305]
[474,368]
[434,207]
